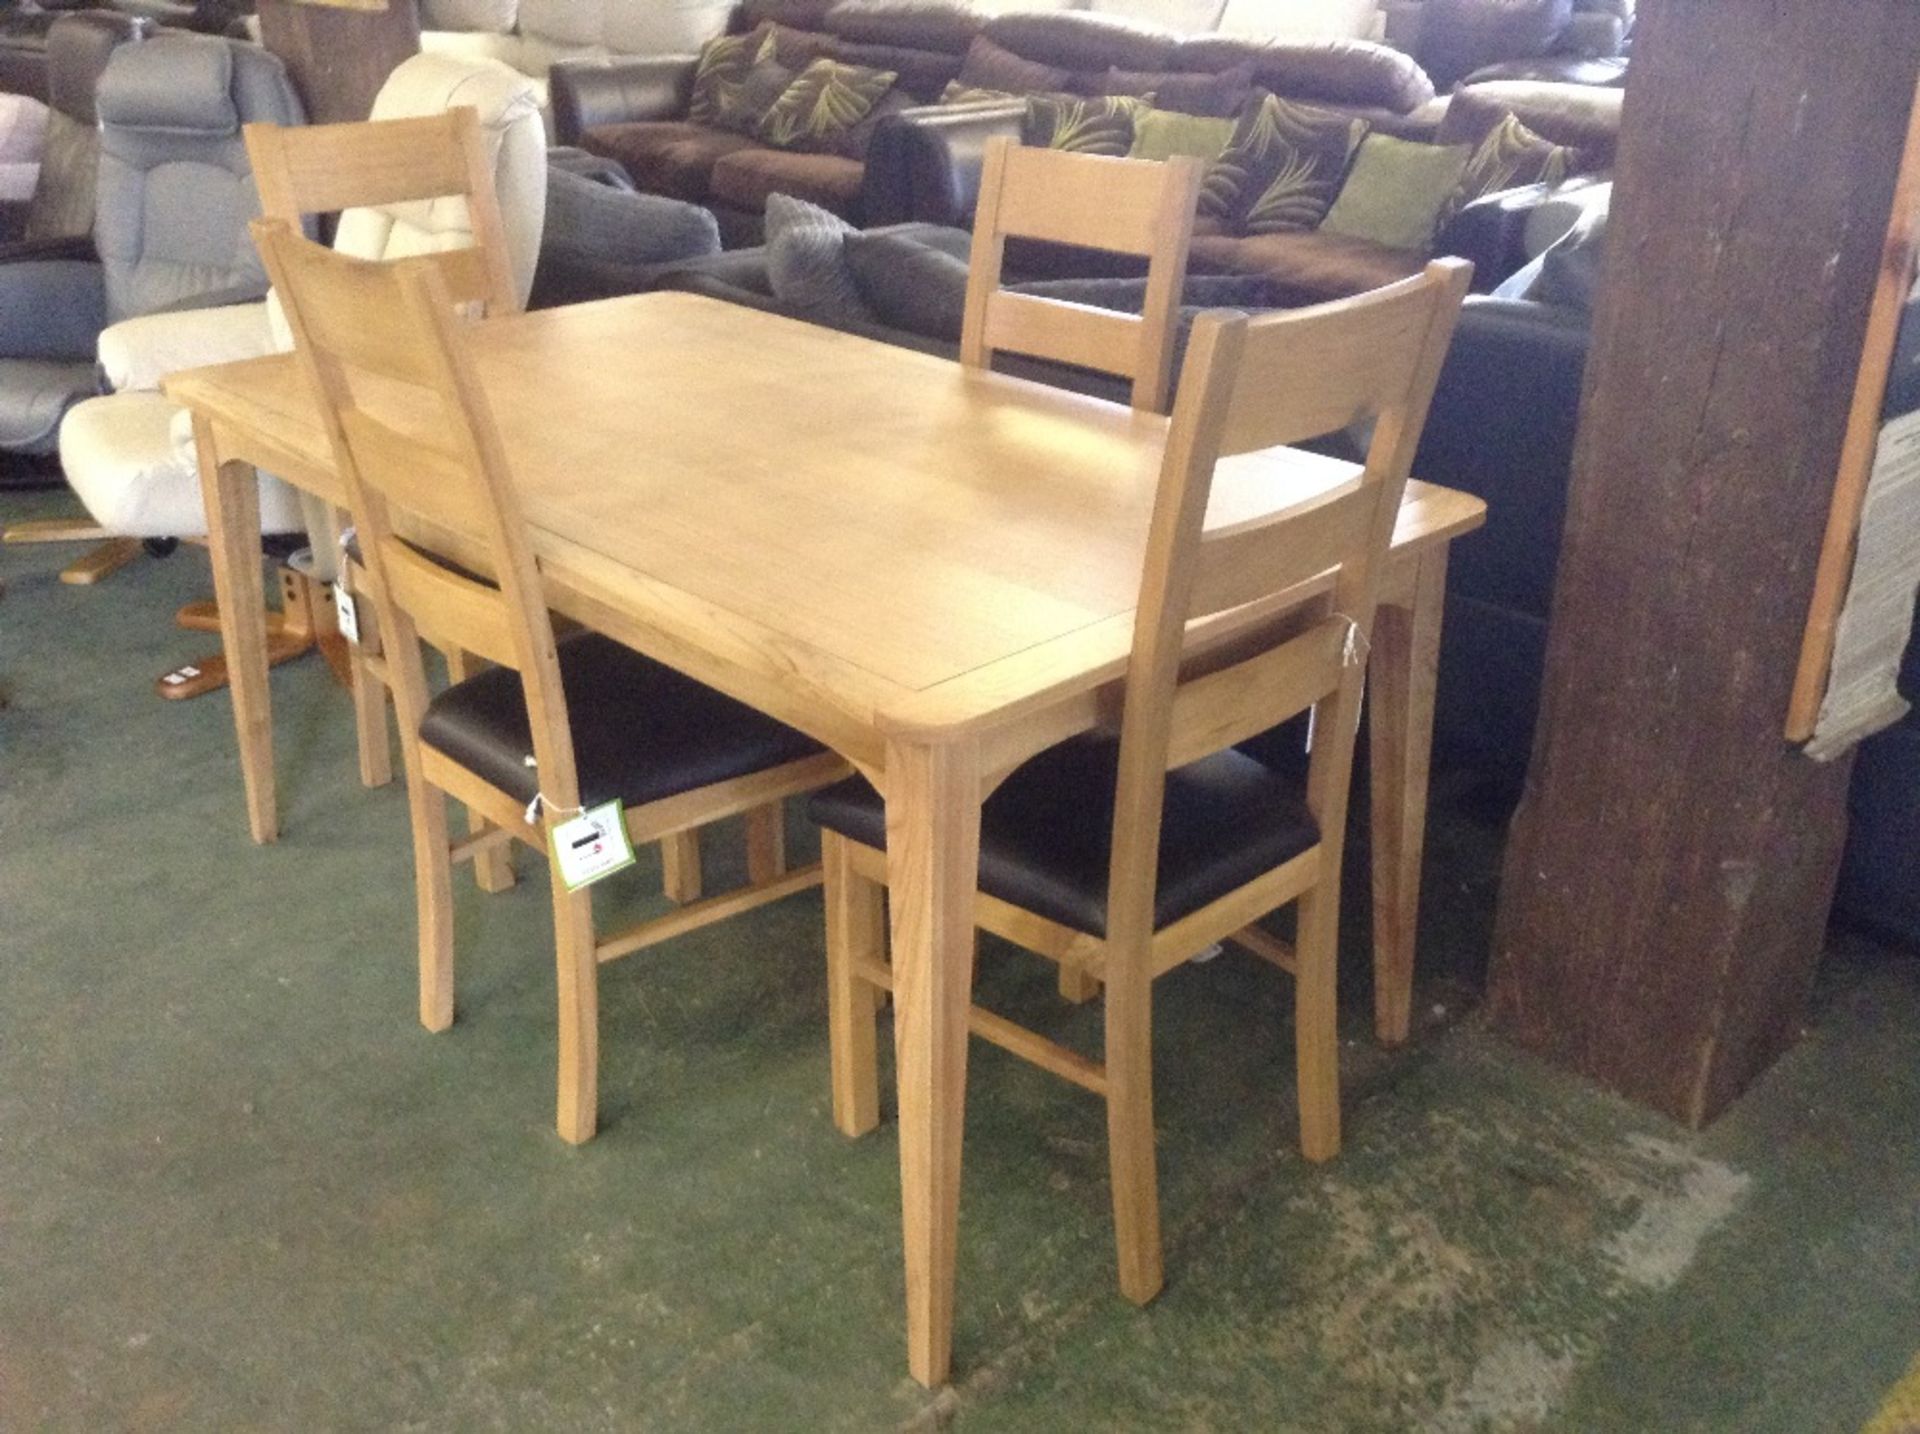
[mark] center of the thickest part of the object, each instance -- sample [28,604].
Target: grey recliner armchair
[39,362]
[174,196]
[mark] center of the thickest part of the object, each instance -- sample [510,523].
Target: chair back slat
[382,347]
[413,474]
[1090,201]
[1232,569]
[326,169]
[323,169]
[1069,333]
[1225,707]
[446,605]
[1122,206]
[1332,366]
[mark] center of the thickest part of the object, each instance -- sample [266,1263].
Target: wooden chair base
[109,556]
[305,622]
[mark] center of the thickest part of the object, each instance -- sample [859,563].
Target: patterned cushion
[826,100]
[1512,155]
[1081,125]
[723,64]
[807,266]
[1282,168]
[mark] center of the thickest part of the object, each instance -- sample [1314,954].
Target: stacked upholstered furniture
[532,36]
[129,453]
[1502,426]
[678,135]
[1463,41]
[925,166]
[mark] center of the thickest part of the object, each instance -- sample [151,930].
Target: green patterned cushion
[825,101]
[1282,168]
[1162,134]
[723,64]
[1100,124]
[1397,192]
[1512,155]
[741,105]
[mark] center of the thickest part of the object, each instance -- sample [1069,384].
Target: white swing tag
[349,612]
[592,845]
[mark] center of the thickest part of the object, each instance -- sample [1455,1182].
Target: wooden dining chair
[329,169]
[1126,855]
[420,160]
[1134,207]
[558,727]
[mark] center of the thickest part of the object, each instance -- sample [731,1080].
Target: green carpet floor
[241,1188]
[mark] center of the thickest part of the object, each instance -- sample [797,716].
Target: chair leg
[680,866]
[856,932]
[766,843]
[433,893]
[370,723]
[1316,1021]
[578,971]
[1130,1148]
[492,869]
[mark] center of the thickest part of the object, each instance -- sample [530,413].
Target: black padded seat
[1046,836]
[641,731]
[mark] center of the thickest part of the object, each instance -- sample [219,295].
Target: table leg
[933,860]
[1402,673]
[232,495]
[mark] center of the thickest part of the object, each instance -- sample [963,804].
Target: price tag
[349,610]
[592,845]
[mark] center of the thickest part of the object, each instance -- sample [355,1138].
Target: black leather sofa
[1502,426]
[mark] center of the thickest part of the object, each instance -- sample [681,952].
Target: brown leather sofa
[925,167]
[634,111]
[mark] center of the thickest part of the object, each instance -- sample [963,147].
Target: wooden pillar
[1671,866]
[340,52]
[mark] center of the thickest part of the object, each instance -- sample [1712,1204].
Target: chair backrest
[78,47]
[1122,206]
[382,347]
[1305,579]
[328,169]
[176,192]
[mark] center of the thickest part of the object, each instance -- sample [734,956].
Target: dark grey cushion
[51,309]
[807,265]
[589,220]
[34,395]
[1566,274]
[911,283]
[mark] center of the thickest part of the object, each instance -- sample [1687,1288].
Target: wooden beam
[340,55]
[1672,863]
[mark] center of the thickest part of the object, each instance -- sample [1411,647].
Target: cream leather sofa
[1284,19]
[130,454]
[531,35]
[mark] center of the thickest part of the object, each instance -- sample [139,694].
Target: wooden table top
[927,543]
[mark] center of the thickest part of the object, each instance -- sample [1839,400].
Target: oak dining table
[930,569]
